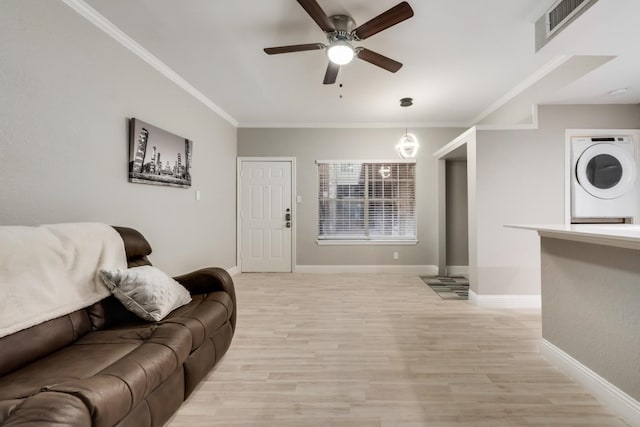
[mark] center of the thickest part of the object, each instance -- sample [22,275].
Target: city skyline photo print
[157,156]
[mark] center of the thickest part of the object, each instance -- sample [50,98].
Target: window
[366,201]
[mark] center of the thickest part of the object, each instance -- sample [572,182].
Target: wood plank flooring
[381,350]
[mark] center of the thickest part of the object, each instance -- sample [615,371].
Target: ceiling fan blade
[379,60]
[317,14]
[391,17]
[293,48]
[332,73]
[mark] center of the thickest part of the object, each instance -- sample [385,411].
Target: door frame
[294,210]
[452,151]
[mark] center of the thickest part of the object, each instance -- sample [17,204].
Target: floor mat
[448,287]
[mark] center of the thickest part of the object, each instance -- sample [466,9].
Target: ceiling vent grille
[561,12]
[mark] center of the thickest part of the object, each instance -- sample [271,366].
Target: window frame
[365,241]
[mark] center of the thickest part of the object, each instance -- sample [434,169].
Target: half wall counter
[591,308]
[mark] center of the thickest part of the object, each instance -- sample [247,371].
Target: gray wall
[457,214]
[590,303]
[309,145]
[519,177]
[67,90]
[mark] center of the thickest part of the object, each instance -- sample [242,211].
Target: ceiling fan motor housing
[344,25]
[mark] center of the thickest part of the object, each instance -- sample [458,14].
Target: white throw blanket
[52,270]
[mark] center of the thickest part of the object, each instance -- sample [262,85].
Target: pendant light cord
[406,131]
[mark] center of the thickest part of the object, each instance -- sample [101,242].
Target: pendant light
[407,147]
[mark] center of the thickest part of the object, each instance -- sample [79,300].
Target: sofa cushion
[70,363]
[150,348]
[114,391]
[146,291]
[7,407]
[30,344]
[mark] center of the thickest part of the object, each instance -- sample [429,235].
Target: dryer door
[606,171]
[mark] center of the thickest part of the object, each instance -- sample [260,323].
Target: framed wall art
[158,157]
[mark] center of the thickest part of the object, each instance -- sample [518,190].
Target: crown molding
[357,125]
[93,16]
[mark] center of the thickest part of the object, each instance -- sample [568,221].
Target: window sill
[367,242]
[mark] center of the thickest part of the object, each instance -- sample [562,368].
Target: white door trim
[294,210]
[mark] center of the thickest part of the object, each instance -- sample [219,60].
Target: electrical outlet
[395,255]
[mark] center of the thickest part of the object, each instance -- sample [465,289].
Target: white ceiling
[462,59]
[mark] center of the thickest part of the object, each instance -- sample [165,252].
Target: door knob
[287,217]
[288,225]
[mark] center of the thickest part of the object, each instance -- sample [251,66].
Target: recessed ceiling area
[461,60]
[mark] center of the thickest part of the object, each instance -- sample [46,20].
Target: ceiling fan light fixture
[340,30]
[340,52]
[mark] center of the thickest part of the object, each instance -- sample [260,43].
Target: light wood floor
[381,350]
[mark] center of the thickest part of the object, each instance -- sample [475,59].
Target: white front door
[266,216]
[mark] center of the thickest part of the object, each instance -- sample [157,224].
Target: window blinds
[367,200]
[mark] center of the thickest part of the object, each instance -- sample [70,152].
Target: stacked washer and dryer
[603,180]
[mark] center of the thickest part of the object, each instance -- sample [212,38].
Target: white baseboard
[505,301]
[473,297]
[458,270]
[615,399]
[233,270]
[430,270]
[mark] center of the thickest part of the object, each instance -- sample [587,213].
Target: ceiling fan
[340,33]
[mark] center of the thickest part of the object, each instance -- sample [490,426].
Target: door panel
[265,198]
[277,244]
[257,243]
[256,207]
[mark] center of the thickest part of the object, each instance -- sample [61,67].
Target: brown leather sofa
[103,366]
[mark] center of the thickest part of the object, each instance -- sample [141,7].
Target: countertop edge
[624,235]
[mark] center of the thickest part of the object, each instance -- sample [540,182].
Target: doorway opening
[457,218]
[453,208]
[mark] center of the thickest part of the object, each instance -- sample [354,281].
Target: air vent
[561,12]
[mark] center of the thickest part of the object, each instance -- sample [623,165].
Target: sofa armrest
[207,280]
[49,408]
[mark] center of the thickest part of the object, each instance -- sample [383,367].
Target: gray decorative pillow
[146,291]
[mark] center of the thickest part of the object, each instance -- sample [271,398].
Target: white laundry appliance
[603,179]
